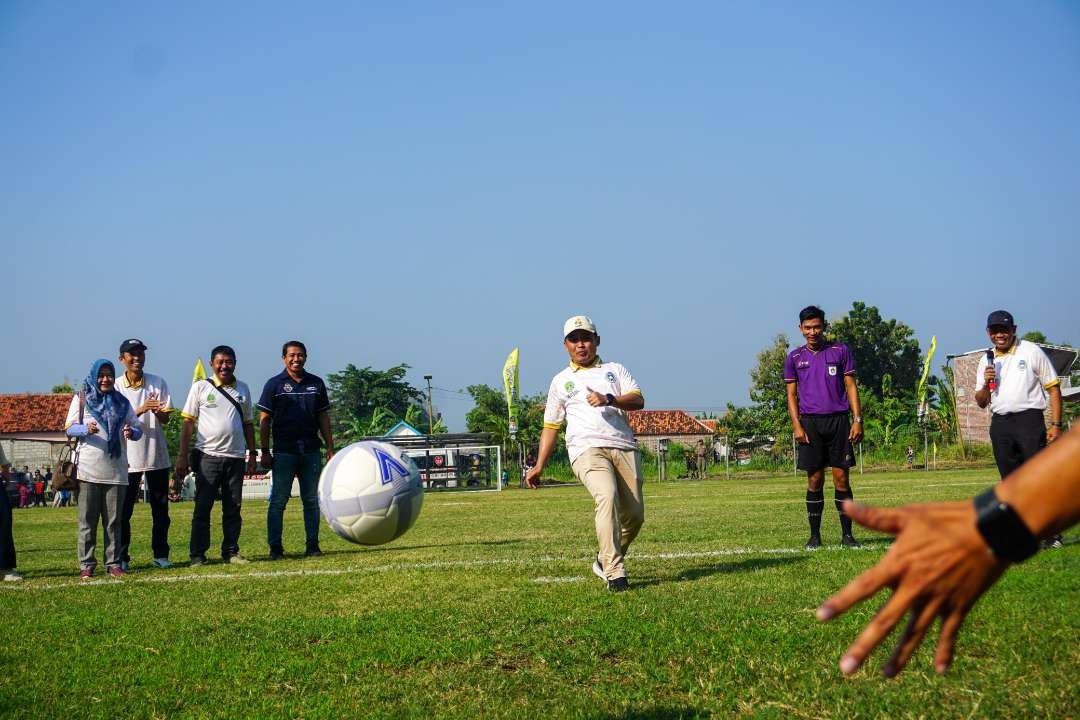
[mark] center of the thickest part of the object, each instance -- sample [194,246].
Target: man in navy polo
[296,405]
[821,390]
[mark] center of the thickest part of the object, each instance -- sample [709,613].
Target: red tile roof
[665,422]
[28,413]
[711,424]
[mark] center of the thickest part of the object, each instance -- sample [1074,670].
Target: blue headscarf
[109,409]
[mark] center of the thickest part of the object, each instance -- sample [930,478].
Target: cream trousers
[613,477]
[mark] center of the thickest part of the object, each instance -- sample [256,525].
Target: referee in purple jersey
[821,391]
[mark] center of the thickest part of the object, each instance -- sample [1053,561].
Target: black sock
[815,503]
[839,496]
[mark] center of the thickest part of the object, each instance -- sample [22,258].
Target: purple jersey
[820,377]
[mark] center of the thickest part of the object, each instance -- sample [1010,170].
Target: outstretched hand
[939,566]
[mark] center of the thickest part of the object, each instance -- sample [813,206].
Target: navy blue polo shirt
[294,409]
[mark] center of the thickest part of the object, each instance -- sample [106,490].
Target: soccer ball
[370,493]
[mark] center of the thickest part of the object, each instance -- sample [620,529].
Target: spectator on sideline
[821,390]
[39,489]
[107,420]
[946,555]
[24,492]
[7,538]
[1022,377]
[593,398]
[222,407]
[294,404]
[148,458]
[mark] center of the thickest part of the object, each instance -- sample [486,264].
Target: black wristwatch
[1002,529]
[610,399]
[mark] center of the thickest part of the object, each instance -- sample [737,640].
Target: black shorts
[829,442]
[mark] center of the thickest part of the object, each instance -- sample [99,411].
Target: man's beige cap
[578,322]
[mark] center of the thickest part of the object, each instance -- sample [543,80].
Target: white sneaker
[598,569]
[162,563]
[12,576]
[238,560]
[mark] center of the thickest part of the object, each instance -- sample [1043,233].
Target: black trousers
[211,475]
[1015,438]
[7,540]
[157,491]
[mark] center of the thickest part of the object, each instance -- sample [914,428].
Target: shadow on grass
[724,568]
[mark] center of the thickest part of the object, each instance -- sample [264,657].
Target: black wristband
[1002,529]
[610,399]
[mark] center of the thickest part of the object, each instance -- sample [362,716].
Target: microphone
[992,384]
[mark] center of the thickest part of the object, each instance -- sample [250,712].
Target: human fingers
[890,520]
[862,587]
[950,628]
[922,616]
[876,631]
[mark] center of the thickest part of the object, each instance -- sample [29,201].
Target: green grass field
[487,608]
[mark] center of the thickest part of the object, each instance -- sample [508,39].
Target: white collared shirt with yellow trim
[150,452]
[219,430]
[1024,374]
[588,426]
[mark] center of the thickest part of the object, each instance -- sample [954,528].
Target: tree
[880,347]
[1035,336]
[366,402]
[63,388]
[489,415]
[768,391]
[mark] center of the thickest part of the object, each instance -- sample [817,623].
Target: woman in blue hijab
[101,418]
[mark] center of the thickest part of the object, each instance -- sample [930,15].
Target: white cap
[578,322]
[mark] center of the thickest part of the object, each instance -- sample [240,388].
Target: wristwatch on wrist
[1003,529]
[1058,425]
[610,399]
[857,418]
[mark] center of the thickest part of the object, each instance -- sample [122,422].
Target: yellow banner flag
[921,393]
[200,371]
[510,382]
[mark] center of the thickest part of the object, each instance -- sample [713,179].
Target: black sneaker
[197,560]
[618,585]
[277,553]
[1053,543]
[813,543]
[313,551]
[849,541]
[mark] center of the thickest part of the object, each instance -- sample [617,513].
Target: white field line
[161,577]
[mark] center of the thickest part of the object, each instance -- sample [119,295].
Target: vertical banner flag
[200,372]
[510,382]
[921,392]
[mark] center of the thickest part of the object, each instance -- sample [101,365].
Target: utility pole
[430,416]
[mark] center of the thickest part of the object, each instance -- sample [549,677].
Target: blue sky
[437,183]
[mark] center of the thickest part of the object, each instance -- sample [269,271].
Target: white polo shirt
[219,428]
[588,426]
[149,452]
[1024,374]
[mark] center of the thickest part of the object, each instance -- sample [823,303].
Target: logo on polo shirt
[610,377]
[832,369]
[1021,365]
[569,386]
[288,387]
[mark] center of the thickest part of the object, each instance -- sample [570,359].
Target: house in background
[677,426]
[974,421]
[32,428]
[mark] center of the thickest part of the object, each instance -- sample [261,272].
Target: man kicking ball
[821,389]
[593,397]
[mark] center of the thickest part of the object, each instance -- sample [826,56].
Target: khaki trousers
[613,477]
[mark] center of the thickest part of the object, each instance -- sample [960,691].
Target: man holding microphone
[1015,379]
